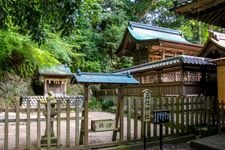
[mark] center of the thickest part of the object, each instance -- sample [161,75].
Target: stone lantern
[52,113]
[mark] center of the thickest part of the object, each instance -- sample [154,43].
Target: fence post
[48,124]
[58,123]
[182,98]
[68,122]
[28,126]
[187,113]
[172,99]
[177,115]
[38,124]
[17,123]
[6,125]
[135,119]
[128,119]
[77,124]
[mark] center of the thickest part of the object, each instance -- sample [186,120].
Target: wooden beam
[84,122]
[198,6]
[86,98]
[178,47]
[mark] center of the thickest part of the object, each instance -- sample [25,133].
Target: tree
[161,15]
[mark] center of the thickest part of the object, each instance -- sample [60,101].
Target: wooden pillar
[45,88]
[119,111]
[64,92]
[121,115]
[84,122]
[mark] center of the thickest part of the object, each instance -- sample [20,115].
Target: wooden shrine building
[175,76]
[147,43]
[215,48]
[55,79]
[211,12]
[160,64]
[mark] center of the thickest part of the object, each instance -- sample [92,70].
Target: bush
[94,104]
[107,104]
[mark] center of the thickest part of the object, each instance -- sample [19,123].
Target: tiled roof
[59,70]
[217,38]
[142,32]
[102,78]
[173,61]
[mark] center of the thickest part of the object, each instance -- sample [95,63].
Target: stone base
[44,141]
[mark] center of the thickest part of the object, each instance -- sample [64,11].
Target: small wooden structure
[87,79]
[180,75]
[147,43]
[214,47]
[55,79]
[209,11]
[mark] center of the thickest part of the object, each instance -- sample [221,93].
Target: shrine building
[165,63]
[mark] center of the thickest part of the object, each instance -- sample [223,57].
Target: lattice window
[191,76]
[171,76]
[149,79]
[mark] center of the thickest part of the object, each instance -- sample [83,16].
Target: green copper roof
[142,32]
[59,70]
[102,78]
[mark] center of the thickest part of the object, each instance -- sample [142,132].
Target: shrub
[94,104]
[107,104]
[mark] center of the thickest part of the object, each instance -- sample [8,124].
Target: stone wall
[12,87]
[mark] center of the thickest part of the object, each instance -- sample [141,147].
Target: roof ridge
[151,63]
[156,28]
[180,58]
[216,35]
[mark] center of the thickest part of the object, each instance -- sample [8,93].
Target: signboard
[147,103]
[102,125]
[161,116]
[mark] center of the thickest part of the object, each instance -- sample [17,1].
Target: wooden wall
[221,82]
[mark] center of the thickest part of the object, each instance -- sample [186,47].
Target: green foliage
[94,104]
[107,104]
[21,56]
[194,31]
[81,33]
[160,15]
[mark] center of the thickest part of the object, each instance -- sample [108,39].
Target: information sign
[147,103]
[161,116]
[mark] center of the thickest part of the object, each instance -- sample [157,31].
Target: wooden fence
[185,113]
[30,111]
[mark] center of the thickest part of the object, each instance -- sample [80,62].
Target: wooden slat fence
[186,112]
[68,110]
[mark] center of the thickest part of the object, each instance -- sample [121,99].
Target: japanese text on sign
[161,116]
[147,103]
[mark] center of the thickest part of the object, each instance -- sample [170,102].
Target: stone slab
[216,142]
